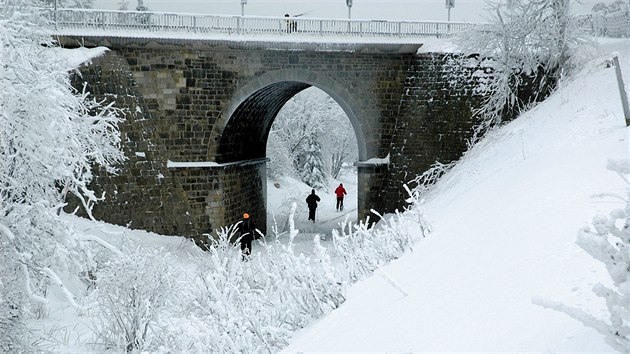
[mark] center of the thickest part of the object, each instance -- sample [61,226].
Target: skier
[246,229]
[311,201]
[340,192]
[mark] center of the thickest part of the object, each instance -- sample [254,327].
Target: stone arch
[241,131]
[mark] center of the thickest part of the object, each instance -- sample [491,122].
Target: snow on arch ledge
[375,161]
[212,164]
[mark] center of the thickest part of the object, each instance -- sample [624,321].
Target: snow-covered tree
[311,111]
[313,169]
[79,4]
[527,47]
[141,6]
[123,5]
[50,138]
[600,7]
[615,6]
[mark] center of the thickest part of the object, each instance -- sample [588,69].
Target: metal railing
[142,22]
[616,24]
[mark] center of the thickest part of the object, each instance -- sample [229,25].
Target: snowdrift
[505,222]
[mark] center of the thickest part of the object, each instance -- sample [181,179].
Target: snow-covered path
[327,218]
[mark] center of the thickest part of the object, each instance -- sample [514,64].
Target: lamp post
[243,3]
[349,4]
[449,5]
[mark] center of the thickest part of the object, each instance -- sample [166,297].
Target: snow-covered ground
[504,227]
[505,222]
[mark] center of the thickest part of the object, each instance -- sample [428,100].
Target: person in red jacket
[340,192]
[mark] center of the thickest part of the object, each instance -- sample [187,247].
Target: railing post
[622,91]
[195,24]
[321,28]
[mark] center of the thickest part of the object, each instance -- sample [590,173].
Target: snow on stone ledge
[77,56]
[439,45]
[210,164]
[172,164]
[375,161]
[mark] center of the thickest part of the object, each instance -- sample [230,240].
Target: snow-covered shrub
[253,305]
[286,212]
[428,179]
[362,249]
[133,293]
[608,241]
[526,45]
[50,137]
[13,338]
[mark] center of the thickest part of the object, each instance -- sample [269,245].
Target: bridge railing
[140,21]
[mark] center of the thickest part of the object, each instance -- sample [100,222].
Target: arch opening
[244,140]
[311,146]
[245,135]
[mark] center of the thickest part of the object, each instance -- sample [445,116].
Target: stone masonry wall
[192,102]
[224,193]
[436,120]
[141,195]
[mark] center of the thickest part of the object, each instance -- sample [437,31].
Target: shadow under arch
[242,130]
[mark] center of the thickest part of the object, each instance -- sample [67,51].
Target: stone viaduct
[198,114]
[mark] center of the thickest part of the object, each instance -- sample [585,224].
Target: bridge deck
[198,26]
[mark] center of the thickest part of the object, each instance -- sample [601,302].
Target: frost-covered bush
[50,137]
[425,181]
[133,293]
[524,41]
[13,338]
[362,249]
[253,305]
[607,240]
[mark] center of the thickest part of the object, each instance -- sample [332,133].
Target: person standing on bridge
[311,201]
[340,192]
[291,24]
[246,230]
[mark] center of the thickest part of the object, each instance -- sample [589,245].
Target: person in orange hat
[246,229]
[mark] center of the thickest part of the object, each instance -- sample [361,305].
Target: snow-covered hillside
[504,225]
[504,222]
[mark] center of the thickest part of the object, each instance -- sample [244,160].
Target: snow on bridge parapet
[128,22]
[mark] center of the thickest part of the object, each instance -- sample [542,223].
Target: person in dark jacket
[311,201]
[246,229]
[340,192]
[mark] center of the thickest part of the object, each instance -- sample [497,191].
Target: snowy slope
[505,222]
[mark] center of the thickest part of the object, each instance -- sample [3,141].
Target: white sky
[431,10]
